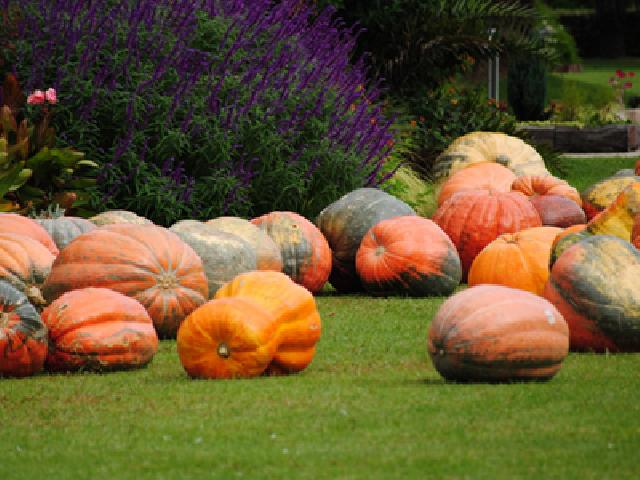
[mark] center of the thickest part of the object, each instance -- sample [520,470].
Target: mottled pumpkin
[635,231]
[64,229]
[594,284]
[23,336]
[344,224]
[601,194]
[111,217]
[497,333]
[146,262]
[474,218]
[224,255]
[479,176]
[481,147]
[13,223]
[98,329]
[306,256]
[268,256]
[517,260]
[534,185]
[408,255]
[227,338]
[558,211]
[293,308]
[25,264]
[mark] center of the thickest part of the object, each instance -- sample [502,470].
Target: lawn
[369,406]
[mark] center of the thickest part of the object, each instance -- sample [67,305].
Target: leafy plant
[527,88]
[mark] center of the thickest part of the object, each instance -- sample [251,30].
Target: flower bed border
[603,139]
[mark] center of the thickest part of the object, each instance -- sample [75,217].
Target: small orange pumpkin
[483,176]
[534,185]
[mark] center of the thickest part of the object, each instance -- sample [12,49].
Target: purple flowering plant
[199,108]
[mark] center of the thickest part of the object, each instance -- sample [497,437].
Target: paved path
[635,153]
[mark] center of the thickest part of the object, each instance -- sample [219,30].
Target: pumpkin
[25,264]
[533,185]
[635,231]
[98,329]
[227,338]
[146,262]
[293,308]
[268,256]
[345,222]
[474,218]
[64,229]
[517,260]
[482,147]
[14,223]
[408,255]
[306,256]
[594,284]
[487,176]
[23,336]
[497,333]
[224,255]
[111,217]
[558,210]
[601,194]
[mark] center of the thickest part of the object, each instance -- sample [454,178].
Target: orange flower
[373,120]
[390,142]
[413,123]
[454,101]
[352,107]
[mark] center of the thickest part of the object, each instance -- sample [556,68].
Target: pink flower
[36,98]
[627,85]
[51,97]
[620,73]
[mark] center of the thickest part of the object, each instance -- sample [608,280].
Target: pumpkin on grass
[100,330]
[497,333]
[23,336]
[17,224]
[146,262]
[408,255]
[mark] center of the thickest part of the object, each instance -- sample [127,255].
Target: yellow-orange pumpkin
[482,176]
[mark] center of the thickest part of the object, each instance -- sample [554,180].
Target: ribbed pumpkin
[13,223]
[23,336]
[293,308]
[100,330]
[497,333]
[533,185]
[344,224]
[25,264]
[224,255]
[635,231]
[558,210]
[479,176]
[146,262]
[601,194]
[518,260]
[408,255]
[306,256]
[111,217]
[227,338]
[475,218]
[64,229]
[594,284]
[480,147]
[268,256]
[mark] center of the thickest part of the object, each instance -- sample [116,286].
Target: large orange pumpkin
[23,336]
[594,284]
[227,338]
[482,176]
[408,255]
[146,262]
[98,329]
[14,223]
[474,218]
[306,256]
[293,308]
[538,185]
[518,260]
[497,333]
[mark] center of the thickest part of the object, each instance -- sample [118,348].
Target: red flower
[631,74]
[620,74]
[627,85]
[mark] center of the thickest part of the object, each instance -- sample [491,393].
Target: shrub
[527,88]
[201,108]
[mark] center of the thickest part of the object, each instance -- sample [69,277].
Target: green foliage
[556,36]
[527,88]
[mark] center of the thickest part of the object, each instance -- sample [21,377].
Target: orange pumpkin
[14,223]
[23,336]
[482,176]
[306,256]
[227,338]
[558,211]
[518,260]
[98,329]
[534,185]
[408,255]
[293,308]
[635,230]
[146,262]
[497,333]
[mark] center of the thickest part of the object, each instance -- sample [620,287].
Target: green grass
[583,172]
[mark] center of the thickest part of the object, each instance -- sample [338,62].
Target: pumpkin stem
[223,350]
[35,297]
[4,319]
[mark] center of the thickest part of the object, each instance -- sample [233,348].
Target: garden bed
[606,138]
